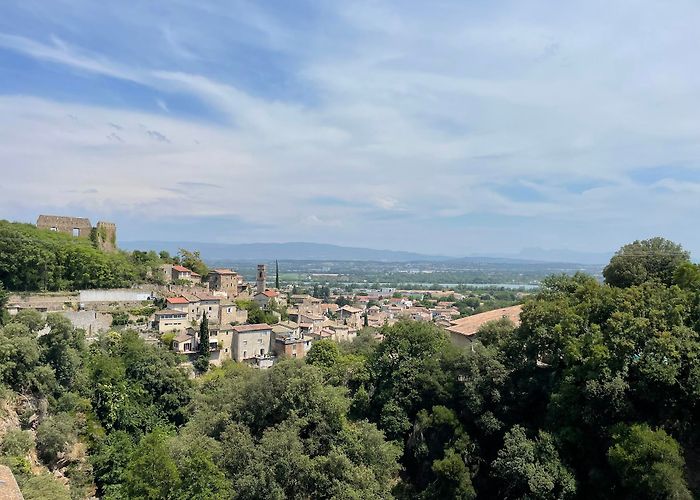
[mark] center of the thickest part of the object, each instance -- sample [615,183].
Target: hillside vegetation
[33,259]
[595,395]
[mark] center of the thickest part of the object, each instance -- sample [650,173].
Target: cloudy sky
[449,127]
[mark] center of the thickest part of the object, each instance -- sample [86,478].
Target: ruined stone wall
[106,236]
[65,225]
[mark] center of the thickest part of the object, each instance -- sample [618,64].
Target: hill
[33,259]
[282,251]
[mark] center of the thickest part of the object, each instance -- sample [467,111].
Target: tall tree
[277,275]
[646,260]
[649,463]
[202,362]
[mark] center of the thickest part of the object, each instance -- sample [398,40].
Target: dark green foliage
[16,443]
[193,261]
[202,362]
[324,353]
[255,313]
[527,468]
[641,261]
[595,395]
[152,473]
[55,436]
[648,463]
[120,318]
[35,259]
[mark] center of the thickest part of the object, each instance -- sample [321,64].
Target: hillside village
[247,322]
[171,314]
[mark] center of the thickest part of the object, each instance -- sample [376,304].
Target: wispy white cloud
[423,114]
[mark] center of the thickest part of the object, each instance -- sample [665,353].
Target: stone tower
[106,236]
[261,280]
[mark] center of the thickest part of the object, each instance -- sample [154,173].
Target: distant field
[414,274]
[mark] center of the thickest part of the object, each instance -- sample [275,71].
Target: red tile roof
[181,269]
[270,293]
[470,325]
[177,300]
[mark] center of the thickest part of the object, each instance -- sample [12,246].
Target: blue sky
[445,127]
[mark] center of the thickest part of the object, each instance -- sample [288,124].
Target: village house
[193,306]
[172,321]
[464,330]
[266,297]
[329,309]
[351,316]
[224,280]
[180,273]
[220,343]
[338,333]
[308,321]
[251,341]
[292,345]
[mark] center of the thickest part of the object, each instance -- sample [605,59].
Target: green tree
[453,478]
[152,474]
[323,353]
[531,468]
[54,437]
[193,261]
[202,362]
[640,261]
[648,463]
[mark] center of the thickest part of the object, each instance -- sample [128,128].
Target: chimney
[261,280]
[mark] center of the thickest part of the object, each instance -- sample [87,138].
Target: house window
[262,352]
[54,229]
[245,354]
[76,231]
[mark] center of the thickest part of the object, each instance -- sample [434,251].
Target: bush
[16,443]
[42,487]
[55,436]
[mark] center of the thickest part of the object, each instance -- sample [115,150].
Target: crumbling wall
[103,236]
[68,225]
[106,236]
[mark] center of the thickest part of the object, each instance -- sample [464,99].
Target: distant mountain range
[322,251]
[564,255]
[280,251]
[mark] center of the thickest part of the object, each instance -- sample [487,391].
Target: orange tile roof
[181,269]
[470,325]
[177,300]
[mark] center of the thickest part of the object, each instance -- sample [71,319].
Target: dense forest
[595,395]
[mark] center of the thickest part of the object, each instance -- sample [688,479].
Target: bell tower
[261,280]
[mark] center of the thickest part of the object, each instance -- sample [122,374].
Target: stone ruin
[103,235]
